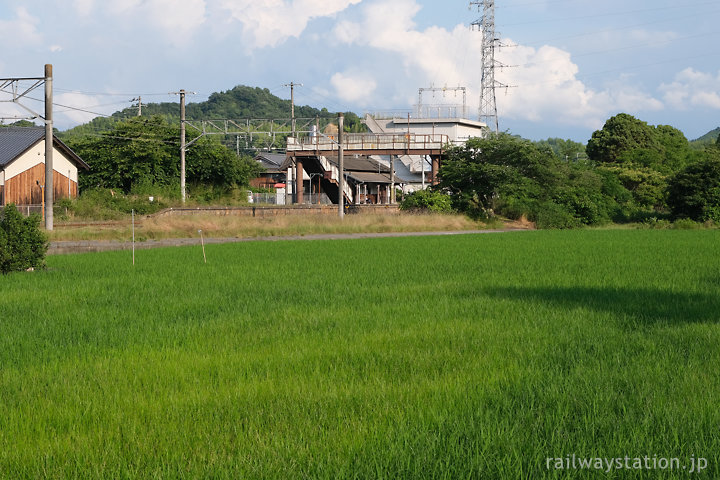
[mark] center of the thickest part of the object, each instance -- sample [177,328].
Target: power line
[606,14]
[609,30]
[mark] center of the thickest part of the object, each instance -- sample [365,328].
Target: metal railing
[27,210]
[309,141]
[268,198]
[282,199]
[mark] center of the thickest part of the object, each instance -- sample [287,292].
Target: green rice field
[496,356]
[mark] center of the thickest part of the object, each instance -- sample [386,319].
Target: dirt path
[85,246]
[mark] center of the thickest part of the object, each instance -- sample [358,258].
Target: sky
[569,65]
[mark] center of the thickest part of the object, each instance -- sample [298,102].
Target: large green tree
[641,156]
[621,134]
[146,151]
[514,177]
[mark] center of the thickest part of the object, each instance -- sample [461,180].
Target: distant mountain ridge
[707,139]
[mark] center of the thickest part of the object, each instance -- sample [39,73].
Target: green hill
[240,103]
[707,139]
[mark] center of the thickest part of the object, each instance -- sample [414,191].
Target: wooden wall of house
[23,189]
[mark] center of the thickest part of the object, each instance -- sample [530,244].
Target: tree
[22,244]
[431,201]
[146,151]
[620,134]
[515,177]
[642,157]
[487,173]
[567,150]
[695,191]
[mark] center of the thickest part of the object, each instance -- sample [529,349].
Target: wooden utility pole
[48,194]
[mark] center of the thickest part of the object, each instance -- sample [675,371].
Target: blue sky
[573,63]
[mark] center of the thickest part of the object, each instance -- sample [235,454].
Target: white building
[414,170]
[22,166]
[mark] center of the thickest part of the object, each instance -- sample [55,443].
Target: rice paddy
[473,356]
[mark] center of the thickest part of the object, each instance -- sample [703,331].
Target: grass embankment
[187,226]
[446,357]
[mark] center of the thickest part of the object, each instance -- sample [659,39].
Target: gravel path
[84,246]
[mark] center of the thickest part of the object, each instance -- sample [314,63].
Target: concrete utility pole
[392,179]
[139,100]
[341,166]
[292,86]
[182,145]
[49,147]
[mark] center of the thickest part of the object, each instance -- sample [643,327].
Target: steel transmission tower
[486,24]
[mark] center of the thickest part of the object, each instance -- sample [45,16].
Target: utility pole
[48,147]
[341,166]
[183,147]
[18,95]
[292,86]
[392,179]
[139,100]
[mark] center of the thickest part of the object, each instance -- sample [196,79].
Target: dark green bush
[22,244]
[428,200]
[694,192]
[554,216]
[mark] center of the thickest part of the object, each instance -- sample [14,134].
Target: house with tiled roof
[22,166]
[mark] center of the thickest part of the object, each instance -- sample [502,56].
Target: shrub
[106,204]
[694,192]
[22,244]
[686,224]
[432,201]
[553,215]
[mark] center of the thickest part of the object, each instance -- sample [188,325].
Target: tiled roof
[16,140]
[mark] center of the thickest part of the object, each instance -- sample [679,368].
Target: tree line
[629,171]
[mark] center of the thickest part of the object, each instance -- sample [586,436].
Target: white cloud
[118,7]
[548,87]
[83,7]
[353,87]
[179,20]
[176,21]
[693,89]
[269,23]
[21,30]
[658,39]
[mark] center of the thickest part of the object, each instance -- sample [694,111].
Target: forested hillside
[239,103]
[708,139]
